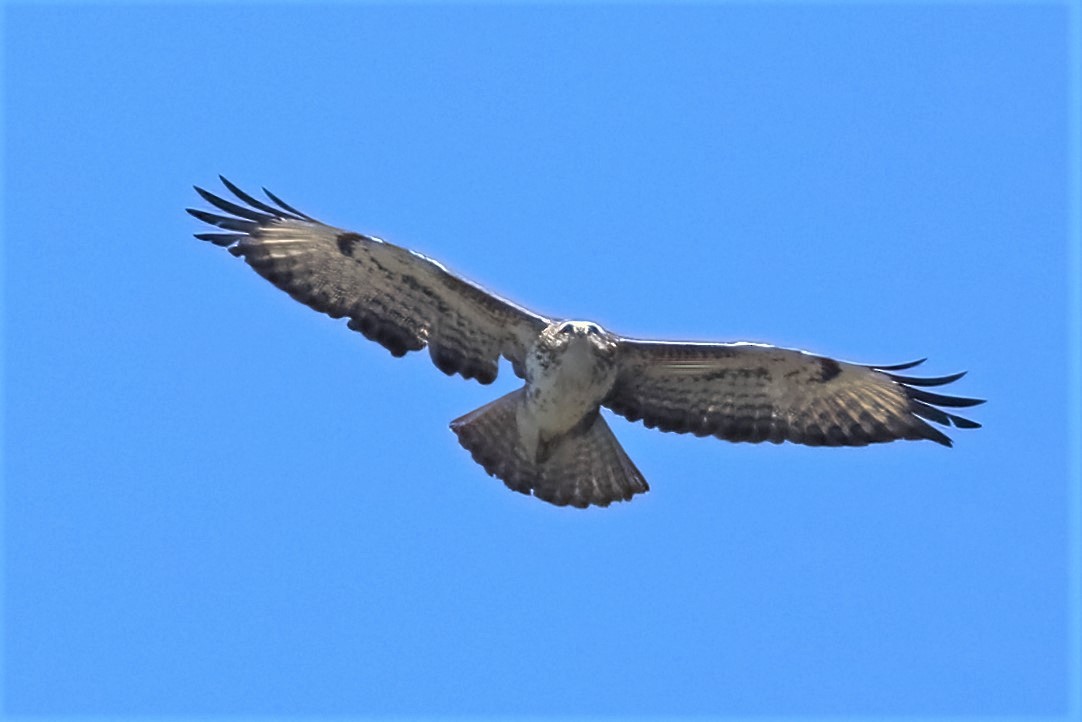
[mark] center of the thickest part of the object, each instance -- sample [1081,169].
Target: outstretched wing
[753,392]
[392,295]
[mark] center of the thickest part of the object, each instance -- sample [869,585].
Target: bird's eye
[593,330]
[567,328]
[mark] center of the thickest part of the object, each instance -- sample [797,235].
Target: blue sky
[217,501]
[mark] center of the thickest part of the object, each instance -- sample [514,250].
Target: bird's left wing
[753,392]
[392,295]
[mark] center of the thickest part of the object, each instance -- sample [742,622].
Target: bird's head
[566,334]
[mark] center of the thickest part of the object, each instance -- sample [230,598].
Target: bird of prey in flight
[548,438]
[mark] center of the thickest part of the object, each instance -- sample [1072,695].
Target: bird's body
[549,438]
[569,372]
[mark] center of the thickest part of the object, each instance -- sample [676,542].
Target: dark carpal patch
[828,369]
[346,242]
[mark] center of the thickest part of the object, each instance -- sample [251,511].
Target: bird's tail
[586,466]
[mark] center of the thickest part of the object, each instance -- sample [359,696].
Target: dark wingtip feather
[230,207]
[245,220]
[926,405]
[930,381]
[940,438]
[229,224]
[220,239]
[205,216]
[287,207]
[925,430]
[898,367]
[208,196]
[939,416]
[942,400]
[255,202]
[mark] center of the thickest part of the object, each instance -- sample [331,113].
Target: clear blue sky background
[220,502]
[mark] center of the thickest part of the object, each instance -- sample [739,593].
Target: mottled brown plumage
[548,438]
[752,392]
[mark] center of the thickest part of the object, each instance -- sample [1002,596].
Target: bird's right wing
[754,392]
[392,295]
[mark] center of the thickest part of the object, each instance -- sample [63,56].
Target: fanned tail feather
[587,466]
[490,434]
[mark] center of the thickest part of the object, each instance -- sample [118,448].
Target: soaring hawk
[549,438]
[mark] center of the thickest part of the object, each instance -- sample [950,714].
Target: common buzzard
[549,438]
